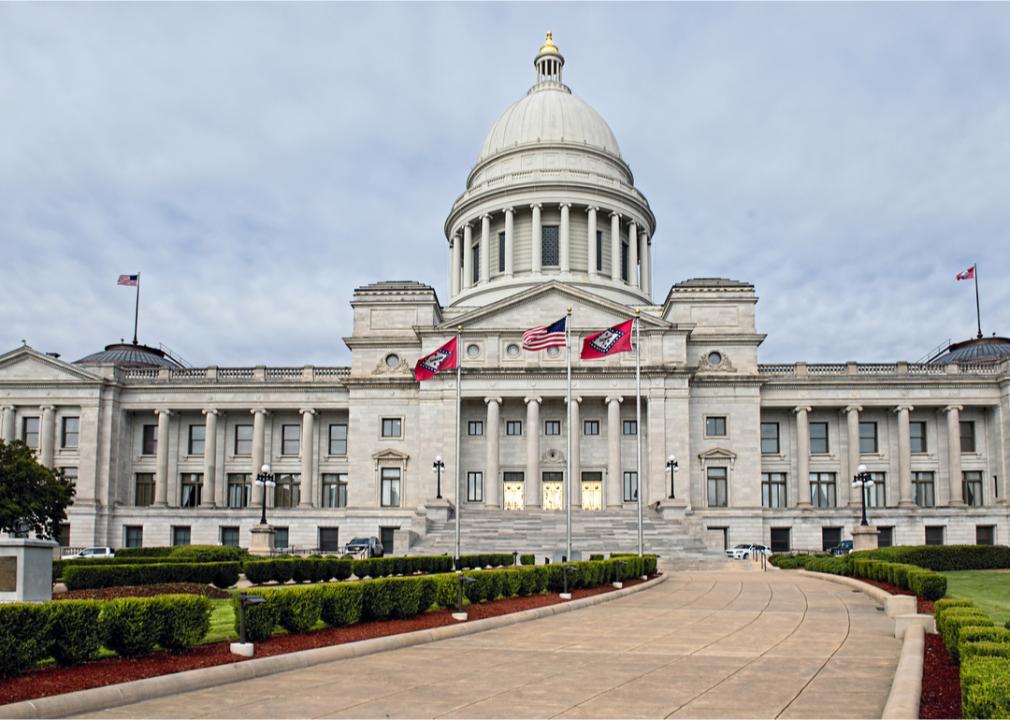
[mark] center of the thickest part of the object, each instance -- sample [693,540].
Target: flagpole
[638,419]
[136,310]
[568,499]
[459,371]
[978,308]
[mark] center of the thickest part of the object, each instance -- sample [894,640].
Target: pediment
[390,455]
[27,364]
[717,454]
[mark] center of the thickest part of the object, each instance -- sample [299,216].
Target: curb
[101,698]
[906,689]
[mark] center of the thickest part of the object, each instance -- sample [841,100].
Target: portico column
[615,480]
[456,260]
[632,253]
[574,427]
[954,454]
[533,452]
[491,465]
[161,460]
[209,491]
[308,448]
[646,262]
[537,239]
[259,431]
[615,246]
[509,240]
[802,457]
[852,425]
[8,423]
[467,257]
[485,248]
[591,240]
[47,435]
[563,231]
[906,499]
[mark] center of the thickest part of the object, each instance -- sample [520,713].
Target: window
[830,537]
[62,535]
[885,536]
[30,431]
[334,490]
[238,490]
[818,438]
[922,487]
[476,264]
[338,439]
[287,491]
[329,539]
[243,439]
[392,427]
[624,261]
[868,444]
[501,252]
[971,486]
[143,494]
[770,438]
[780,539]
[513,477]
[630,427]
[822,490]
[715,426]
[552,427]
[475,427]
[133,536]
[281,539]
[514,427]
[70,473]
[192,484]
[549,248]
[197,438]
[599,250]
[630,486]
[985,534]
[475,487]
[390,487]
[716,480]
[180,534]
[876,497]
[917,436]
[591,427]
[773,490]
[230,535]
[291,436]
[968,436]
[149,440]
[71,432]
[934,534]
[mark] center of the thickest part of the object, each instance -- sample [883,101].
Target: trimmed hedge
[76,632]
[221,574]
[950,623]
[791,562]
[985,687]
[146,552]
[943,557]
[132,626]
[487,559]
[311,569]
[407,565]
[341,604]
[527,559]
[24,636]
[185,620]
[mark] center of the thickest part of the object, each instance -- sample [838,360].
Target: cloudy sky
[256,162]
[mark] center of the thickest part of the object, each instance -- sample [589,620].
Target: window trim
[190,438]
[709,478]
[778,437]
[875,438]
[543,245]
[552,428]
[629,475]
[819,478]
[715,419]
[297,429]
[962,424]
[931,483]
[475,428]
[143,440]
[827,437]
[625,424]
[339,483]
[516,425]
[236,439]
[475,480]
[382,485]
[382,427]
[594,424]
[37,432]
[924,438]
[781,485]
[330,440]
[76,433]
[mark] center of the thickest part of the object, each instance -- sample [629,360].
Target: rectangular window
[549,253]
[985,534]
[143,494]
[599,251]
[922,487]
[513,477]
[917,436]
[715,426]
[238,490]
[716,481]
[624,261]
[230,535]
[197,439]
[501,252]
[971,486]
[180,535]
[133,536]
[630,427]
[514,427]
[967,436]
[149,440]
[291,436]
[773,490]
[70,433]
[780,540]
[552,427]
[876,496]
[830,537]
[334,490]
[934,534]
[630,486]
[475,427]
[769,438]
[822,490]
[476,264]
[192,486]
[243,439]
[338,439]
[329,539]
[818,438]
[868,444]
[591,427]
[287,491]
[392,428]
[281,538]
[475,487]
[390,487]
[885,536]
[30,431]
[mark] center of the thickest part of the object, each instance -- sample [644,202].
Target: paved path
[727,643]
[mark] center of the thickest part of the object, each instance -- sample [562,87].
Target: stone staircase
[543,533]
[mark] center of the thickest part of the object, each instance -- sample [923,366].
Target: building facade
[550,219]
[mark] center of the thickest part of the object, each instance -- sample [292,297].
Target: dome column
[467,257]
[646,260]
[632,253]
[509,240]
[538,239]
[456,262]
[615,246]
[566,241]
[485,248]
[591,240]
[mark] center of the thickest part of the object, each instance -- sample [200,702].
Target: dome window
[549,253]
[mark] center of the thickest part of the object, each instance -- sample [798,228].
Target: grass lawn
[990,589]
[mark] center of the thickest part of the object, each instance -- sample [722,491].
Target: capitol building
[549,219]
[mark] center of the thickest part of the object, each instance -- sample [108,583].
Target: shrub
[408,596]
[446,590]
[260,620]
[24,636]
[952,625]
[338,568]
[485,559]
[927,584]
[512,582]
[299,609]
[378,599]
[527,559]
[985,687]
[132,625]
[529,583]
[341,604]
[596,556]
[941,605]
[145,552]
[75,633]
[206,553]
[982,648]
[79,577]
[944,557]
[184,620]
[942,614]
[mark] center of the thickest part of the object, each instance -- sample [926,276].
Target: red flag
[445,358]
[608,342]
[968,274]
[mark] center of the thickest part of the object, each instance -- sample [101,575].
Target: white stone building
[550,219]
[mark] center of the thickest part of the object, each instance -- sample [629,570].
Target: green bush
[207,553]
[221,574]
[927,584]
[946,603]
[145,552]
[408,565]
[941,614]
[184,620]
[24,636]
[530,580]
[953,623]
[527,559]
[299,609]
[341,604]
[596,556]
[512,581]
[446,590]
[411,596]
[985,687]
[260,620]
[944,557]
[486,559]
[981,648]
[378,599]
[133,626]
[790,562]
[75,632]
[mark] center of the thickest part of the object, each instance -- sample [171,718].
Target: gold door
[554,494]
[515,495]
[592,495]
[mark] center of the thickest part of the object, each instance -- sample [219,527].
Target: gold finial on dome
[549,46]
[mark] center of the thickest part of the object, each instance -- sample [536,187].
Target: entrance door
[553,491]
[592,491]
[386,534]
[514,491]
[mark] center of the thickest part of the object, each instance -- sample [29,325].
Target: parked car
[368,546]
[842,548]
[95,552]
[745,551]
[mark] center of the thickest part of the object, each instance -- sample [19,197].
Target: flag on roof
[128,280]
[968,274]
[546,336]
[445,358]
[608,342]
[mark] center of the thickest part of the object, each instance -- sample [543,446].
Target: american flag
[128,280]
[541,338]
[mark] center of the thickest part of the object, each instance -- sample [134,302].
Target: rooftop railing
[233,375]
[802,369]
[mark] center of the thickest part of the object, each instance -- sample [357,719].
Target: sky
[257,162]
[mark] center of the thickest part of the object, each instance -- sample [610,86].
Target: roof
[129,355]
[712,282]
[977,350]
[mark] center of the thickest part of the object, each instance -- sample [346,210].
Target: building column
[456,263]
[646,263]
[632,253]
[537,237]
[533,493]
[161,460]
[258,453]
[591,240]
[906,498]
[615,479]
[491,465]
[467,257]
[509,240]
[485,248]
[574,423]
[47,435]
[308,497]
[208,494]
[7,427]
[852,425]
[615,246]
[565,241]
[802,457]
[954,454]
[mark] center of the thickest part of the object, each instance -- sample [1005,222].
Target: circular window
[512,350]
[714,357]
[392,360]
[472,350]
[553,352]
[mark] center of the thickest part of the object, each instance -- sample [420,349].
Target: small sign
[8,574]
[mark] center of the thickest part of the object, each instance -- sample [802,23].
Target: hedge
[791,562]
[487,559]
[985,687]
[950,623]
[221,574]
[408,565]
[943,557]
[76,631]
[527,559]
[185,620]
[24,636]
[313,569]
[185,553]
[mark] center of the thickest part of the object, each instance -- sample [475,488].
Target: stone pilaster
[509,241]
[538,241]
[615,478]
[646,263]
[802,457]
[457,260]
[591,240]
[7,426]
[467,256]
[47,435]
[309,491]
[615,246]
[258,453]
[565,239]
[533,493]
[491,481]
[210,471]
[954,454]
[485,248]
[161,460]
[906,498]
[852,432]
[632,253]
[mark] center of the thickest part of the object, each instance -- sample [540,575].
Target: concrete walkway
[731,643]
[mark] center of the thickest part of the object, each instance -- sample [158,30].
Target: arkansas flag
[445,358]
[968,274]
[608,342]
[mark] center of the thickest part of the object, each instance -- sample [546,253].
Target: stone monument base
[439,510]
[262,540]
[26,570]
[864,537]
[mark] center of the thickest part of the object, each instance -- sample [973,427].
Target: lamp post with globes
[265,479]
[671,465]
[438,466]
[864,481]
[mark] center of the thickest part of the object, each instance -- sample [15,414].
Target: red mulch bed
[55,680]
[145,591]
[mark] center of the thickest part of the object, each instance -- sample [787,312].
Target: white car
[95,552]
[744,552]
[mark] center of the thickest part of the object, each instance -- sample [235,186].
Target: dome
[977,350]
[129,355]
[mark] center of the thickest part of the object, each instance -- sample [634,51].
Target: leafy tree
[30,492]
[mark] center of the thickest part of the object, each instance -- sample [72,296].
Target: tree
[31,493]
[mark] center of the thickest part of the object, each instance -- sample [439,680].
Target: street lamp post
[265,479]
[671,465]
[864,481]
[438,466]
